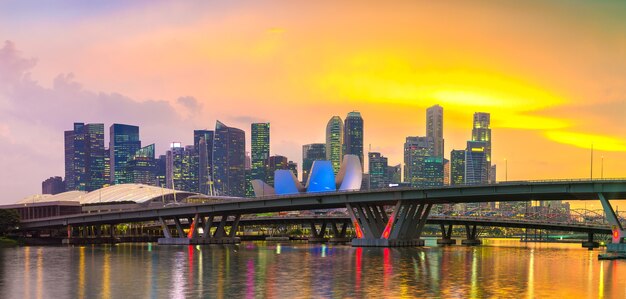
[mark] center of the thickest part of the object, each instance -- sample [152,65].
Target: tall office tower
[457,167]
[394,174]
[416,150]
[260,146]
[353,136]
[84,157]
[492,174]
[481,131]
[311,152]
[141,167]
[476,163]
[432,172]
[190,181]
[107,167]
[377,170]
[160,170]
[123,144]
[446,172]
[275,163]
[229,150]
[434,128]
[53,185]
[293,166]
[174,166]
[334,142]
[94,154]
[203,144]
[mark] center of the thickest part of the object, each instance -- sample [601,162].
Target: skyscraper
[203,144]
[481,131]
[84,157]
[174,166]
[229,149]
[353,136]
[377,170]
[416,150]
[476,169]
[434,129]
[432,172]
[446,172]
[275,163]
[160,171]
[310,153]
[53,185]
[334,142]
[141,167]
[190,170]
[394,174]
[260,145]
[123,144]
[457,167]
[293,166]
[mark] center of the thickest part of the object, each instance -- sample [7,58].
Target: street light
[506,170]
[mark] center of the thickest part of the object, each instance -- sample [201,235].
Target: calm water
[501,268]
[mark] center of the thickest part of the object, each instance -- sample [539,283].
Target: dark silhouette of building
[203,144]
[311,152]
[353,136]
[275,163]
[229,149]
[53,185]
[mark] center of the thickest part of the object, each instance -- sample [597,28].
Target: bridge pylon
[374,228]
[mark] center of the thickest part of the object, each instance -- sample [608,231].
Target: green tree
[9,219]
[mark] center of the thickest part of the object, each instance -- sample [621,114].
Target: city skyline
[540,95]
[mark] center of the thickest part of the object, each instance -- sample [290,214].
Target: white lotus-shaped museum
[321,179]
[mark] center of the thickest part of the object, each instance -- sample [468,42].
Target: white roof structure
[65,196]
[137,193]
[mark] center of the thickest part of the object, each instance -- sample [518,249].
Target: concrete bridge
[387,217]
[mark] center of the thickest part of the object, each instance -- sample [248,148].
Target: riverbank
[6,242]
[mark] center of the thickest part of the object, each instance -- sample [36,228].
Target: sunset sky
[551,73]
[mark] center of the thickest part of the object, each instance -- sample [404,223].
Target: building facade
[377,168]
[334,142]
[203,145]
[353,136]
[84,157]
[53,185]
[123,144]
[260,150]
[416,150]
[434,129]
[141,168]
[457,167]
[229,150]
[481,132]
[311,152]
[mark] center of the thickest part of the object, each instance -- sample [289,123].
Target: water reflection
[308,271]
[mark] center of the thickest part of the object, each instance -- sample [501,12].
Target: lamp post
[602,168]
[506,170]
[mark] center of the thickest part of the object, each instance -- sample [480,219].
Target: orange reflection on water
[106,275]
[81,272]
[40,272]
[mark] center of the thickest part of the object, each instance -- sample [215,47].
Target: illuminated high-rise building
[310,153]
[416,150]
[275,163]
[481,131]
[377,167]
[229,150]
[432,175]
[123,144]
[260,146]
[334,142]
[141,167]
[160,171]
[446,172]
[434,128]
[203,144]
[84,157]
[174,166]
[353,136]
[476,168]
[457,167]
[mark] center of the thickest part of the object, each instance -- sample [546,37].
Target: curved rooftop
[136,193]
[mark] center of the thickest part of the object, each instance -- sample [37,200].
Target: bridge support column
[179,228]
[166,229]
[472,236]
[446,236]
[339,235]
[403,228]
[317,236]
[590,244]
